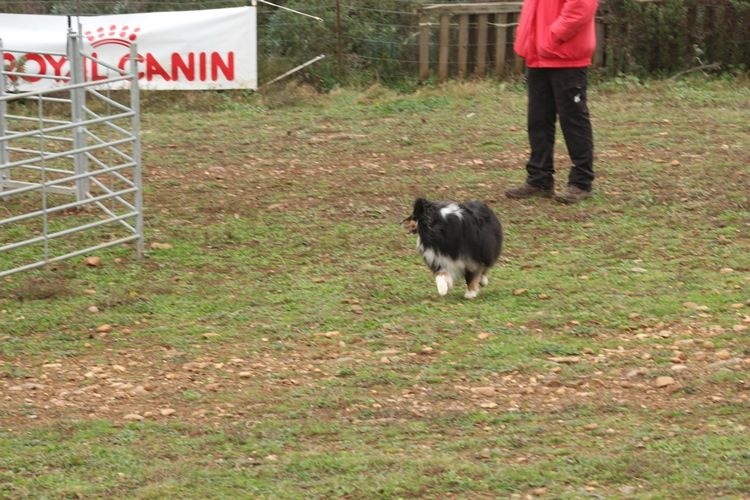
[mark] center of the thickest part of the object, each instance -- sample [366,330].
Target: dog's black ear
[420,207]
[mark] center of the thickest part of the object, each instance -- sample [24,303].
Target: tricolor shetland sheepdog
[456,240]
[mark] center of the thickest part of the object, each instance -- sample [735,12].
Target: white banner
[181,50]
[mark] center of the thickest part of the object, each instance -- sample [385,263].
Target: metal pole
[135,105]
[78,101]
[4,174]
[43,164]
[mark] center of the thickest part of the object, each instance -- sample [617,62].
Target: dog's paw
[444,283]
[471,294]
[484,280]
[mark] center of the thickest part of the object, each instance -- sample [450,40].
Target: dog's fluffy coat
[456,240]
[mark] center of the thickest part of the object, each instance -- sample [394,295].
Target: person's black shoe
[572,194]
[529,191]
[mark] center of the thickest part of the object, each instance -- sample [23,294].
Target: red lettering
[203,66]
[57,64]
[153,68]
[8,57]
[124,60]
[41,70]
[94,69]
[227,68]
[180,65]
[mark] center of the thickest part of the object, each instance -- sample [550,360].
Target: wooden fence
[475,39]
[488,25]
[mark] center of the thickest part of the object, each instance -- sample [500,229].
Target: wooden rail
[485,32]
[496,17]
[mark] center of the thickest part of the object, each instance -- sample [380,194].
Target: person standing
[557,39]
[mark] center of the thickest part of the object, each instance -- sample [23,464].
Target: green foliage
[368,41]
[674,35]
[364,41]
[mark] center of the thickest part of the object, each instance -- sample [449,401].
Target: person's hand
[551,46]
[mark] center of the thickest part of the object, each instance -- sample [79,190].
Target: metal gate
[70,159]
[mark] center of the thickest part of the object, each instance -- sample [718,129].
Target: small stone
[636,372]
[679,368]
[93,261]
[484,391]
[245,374]
[210,335]
[591,427]
[484,336]
[726,270]
[740,328]
[568,360]
[93,309]
[488,405]
[133,416]
[165,412]
[29,386]
[520,291]
[726,364]
[723,354]
[160,246]
[664,381]
[104,328]
[139,391]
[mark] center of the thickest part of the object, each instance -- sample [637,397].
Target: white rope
[290,10]
[294,70]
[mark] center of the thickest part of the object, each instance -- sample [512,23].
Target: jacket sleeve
[574,16]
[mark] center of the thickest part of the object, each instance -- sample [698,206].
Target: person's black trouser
[559,92]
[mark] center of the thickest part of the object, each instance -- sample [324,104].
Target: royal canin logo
[103,36]
[108,42]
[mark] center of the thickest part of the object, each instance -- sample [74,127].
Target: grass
[290,343]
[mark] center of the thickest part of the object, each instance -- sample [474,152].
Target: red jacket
[556,33]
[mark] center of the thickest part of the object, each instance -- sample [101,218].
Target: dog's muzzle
[410,225]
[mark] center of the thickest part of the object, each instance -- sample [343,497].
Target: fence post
[424,46]
[339,56]
[600,43]
[78,101]
[501,39]
[4,174]
[445,43]
[135,107]
[482,25]
[463,45]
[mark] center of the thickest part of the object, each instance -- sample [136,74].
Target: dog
[456,240]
